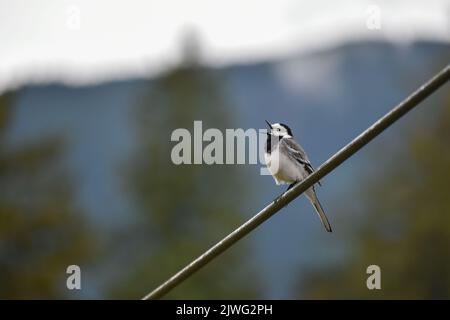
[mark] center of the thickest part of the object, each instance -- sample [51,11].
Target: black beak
[268,123]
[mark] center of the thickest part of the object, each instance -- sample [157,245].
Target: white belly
[283,169]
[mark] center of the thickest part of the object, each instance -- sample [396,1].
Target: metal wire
[338,158]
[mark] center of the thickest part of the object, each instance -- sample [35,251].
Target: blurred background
[90,93]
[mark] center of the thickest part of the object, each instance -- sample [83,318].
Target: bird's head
[279,130]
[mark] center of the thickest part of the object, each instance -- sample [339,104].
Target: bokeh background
[91,91]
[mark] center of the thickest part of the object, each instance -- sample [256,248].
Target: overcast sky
[85,41]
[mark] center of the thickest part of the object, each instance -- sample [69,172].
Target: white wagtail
[289,164]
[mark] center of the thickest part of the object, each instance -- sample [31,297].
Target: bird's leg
[277,198]
[289,188]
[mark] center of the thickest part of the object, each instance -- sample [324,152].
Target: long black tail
[311,194]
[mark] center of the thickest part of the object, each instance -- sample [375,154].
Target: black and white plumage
[288,163]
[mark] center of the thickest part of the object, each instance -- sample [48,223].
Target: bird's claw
[278,198]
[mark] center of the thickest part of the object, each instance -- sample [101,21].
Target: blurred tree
[407,230]
[185,208]
[40,231]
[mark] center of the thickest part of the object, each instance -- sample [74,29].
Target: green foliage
[186,208]
[407,231]
[40,232]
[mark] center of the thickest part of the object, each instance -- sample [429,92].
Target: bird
[288,164]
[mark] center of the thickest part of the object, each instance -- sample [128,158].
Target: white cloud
[140,37]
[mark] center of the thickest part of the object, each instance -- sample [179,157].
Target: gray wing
[297,153]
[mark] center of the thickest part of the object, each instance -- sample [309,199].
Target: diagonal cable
[337,159]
